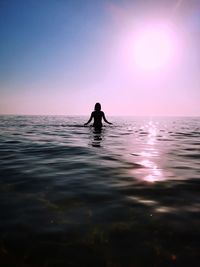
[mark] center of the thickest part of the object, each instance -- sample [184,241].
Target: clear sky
[60,57]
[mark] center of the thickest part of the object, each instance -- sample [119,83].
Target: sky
[60,57]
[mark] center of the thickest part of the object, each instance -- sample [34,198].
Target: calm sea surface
[128,196]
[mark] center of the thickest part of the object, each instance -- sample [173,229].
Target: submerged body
[97,115]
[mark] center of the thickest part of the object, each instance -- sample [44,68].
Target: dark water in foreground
[126,197]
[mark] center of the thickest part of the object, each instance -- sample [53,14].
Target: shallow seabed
[127,196]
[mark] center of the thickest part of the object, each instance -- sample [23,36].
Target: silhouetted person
[97,115]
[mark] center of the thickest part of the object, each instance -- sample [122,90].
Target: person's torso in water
[97,115]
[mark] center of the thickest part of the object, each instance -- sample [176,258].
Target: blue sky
[40,38]
[60,57]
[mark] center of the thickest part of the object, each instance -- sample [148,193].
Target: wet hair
[97,107]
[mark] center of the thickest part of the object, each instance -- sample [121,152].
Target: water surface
[126,196]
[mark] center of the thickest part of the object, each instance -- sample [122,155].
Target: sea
[125,196]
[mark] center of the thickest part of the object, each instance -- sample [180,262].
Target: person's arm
[90,119]
[106,119]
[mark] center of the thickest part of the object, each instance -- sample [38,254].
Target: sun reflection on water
[149,157]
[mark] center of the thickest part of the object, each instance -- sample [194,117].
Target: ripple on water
[128,196]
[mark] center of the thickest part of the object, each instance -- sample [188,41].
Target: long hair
[97,107]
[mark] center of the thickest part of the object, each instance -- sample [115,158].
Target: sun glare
[153,47]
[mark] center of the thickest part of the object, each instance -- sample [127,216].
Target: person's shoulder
[102,112]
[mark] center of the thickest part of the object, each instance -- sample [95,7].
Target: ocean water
[128,196]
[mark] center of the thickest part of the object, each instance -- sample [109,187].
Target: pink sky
[94,61]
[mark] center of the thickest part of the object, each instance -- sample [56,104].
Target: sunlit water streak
[131,189]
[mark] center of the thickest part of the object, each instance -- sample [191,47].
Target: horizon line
[83,115]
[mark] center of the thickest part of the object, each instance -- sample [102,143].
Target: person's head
[97,107]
